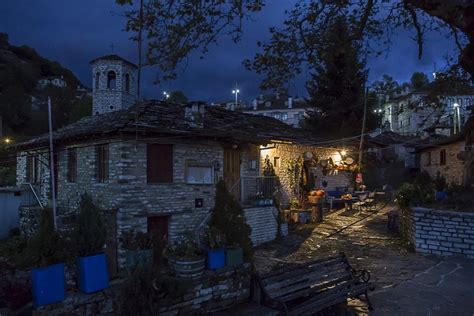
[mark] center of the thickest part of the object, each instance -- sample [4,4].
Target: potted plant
[228,217]
[185,258]
[43,250]
[216,250]
[440,186]
[90,236]
[138,246]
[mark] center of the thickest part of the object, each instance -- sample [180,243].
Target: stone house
[391,147]
[152,166]
[445,156]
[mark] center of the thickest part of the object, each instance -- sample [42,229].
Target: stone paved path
[368,244]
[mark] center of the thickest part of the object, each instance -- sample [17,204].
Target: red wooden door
[158,231]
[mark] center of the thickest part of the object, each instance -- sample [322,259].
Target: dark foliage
[228,216]
[90,232]
[45,247]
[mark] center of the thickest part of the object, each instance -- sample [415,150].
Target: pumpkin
[320,193]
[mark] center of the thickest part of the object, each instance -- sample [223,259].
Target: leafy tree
[228,217]
[336,89]
[90,230]
[178,97]
[387,86]
[419,80]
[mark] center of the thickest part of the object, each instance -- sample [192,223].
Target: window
[284,116]
[127,83]
[442,157]
[159,163]
[32,169]
[71,165]
[102,162]
[97,80]
[276,162]
[199,174]
[428,159]
[111,80]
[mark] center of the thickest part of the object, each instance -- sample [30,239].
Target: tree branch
[419,32]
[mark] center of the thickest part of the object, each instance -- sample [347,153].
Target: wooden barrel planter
[187,267]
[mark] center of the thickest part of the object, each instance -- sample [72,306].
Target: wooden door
[232,171]
[110,220]
[158,231]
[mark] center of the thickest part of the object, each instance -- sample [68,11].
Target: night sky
[73,32]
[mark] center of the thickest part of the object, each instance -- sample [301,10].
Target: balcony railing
[258,191]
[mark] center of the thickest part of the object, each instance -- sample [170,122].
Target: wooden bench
[309,288]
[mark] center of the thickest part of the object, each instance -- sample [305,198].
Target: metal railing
[258,191]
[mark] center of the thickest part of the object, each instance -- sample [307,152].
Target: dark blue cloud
[75,32]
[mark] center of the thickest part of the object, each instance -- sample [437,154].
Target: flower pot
[138,259]
[234,256]
[47,284]
[215,258]
[440,195]
[93,273]
[187,267]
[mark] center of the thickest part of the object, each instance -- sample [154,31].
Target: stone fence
[442,233]
[215,291]
[263,221]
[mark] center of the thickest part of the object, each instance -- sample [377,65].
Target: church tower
[114,84]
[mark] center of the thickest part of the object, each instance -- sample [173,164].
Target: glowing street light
[7,140]
[166,95]
[236,92]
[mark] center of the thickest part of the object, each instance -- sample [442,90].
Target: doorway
[158,232]
[232,171]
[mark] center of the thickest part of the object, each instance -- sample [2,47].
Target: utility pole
[140,27]
[51,164]
[363,128]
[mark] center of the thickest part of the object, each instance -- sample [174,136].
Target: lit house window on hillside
[199,174]
[111,80]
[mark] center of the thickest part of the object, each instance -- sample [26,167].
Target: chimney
[290,102]
[255,104]
[194,114]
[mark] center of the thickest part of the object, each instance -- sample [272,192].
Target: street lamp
[166,95]
[7,140]
[236,92]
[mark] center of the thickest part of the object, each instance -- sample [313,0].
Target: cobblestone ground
[362,236]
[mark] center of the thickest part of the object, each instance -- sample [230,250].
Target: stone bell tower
[114,84]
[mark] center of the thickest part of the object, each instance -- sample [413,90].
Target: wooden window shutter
[102,162]
[159,163]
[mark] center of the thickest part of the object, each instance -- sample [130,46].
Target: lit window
[284,116]
[199,174]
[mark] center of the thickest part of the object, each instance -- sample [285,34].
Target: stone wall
[29,220]
[264,223]
[216,291]
[287,152]
[443,233]
[454,167]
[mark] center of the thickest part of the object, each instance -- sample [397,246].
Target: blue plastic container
[215,258]
[440,195]
[93,274]
[47,284]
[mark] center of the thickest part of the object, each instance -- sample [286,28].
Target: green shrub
[90,232]
[45,247]
[228,217]
[420,192]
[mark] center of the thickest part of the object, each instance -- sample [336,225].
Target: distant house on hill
[152,166]
[283,107]
[408,113]
[55,81]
